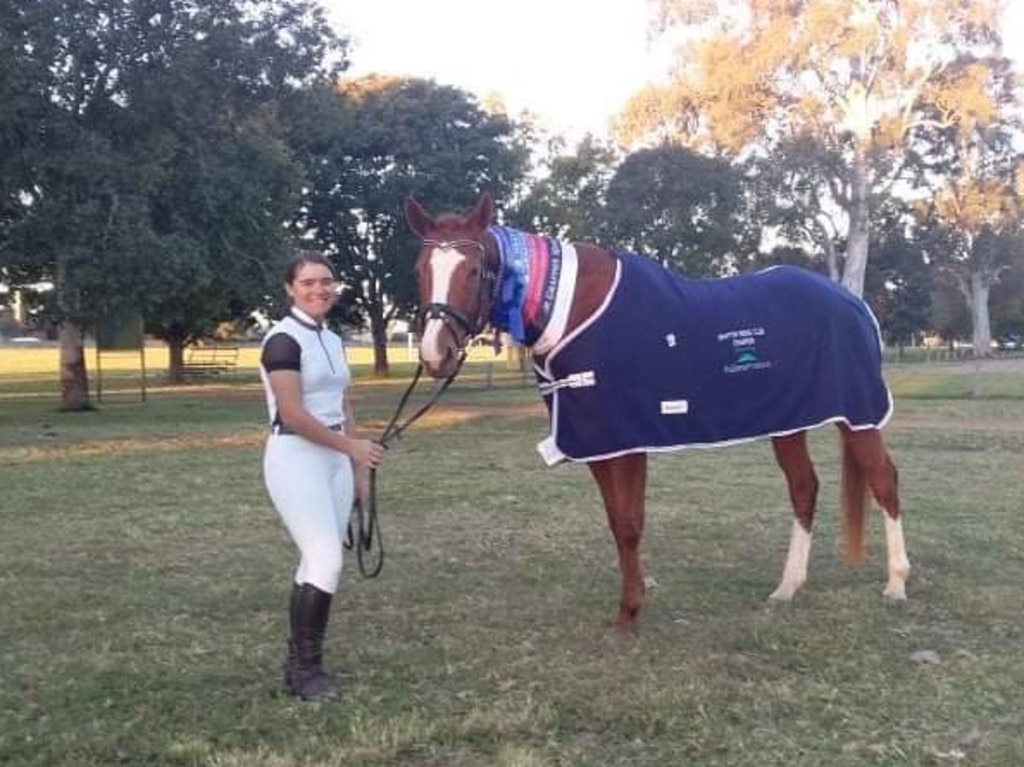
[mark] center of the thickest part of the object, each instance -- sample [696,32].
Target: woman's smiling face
[313,290]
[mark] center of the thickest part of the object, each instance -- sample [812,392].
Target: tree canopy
[976,173]
[150,173]
[568,199]
[162,156]
[366,145]
[679,207]
[853,77]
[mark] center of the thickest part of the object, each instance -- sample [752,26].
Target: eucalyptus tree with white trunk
[857,78]
[977,176]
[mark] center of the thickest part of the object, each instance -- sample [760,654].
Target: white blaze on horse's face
[443,263]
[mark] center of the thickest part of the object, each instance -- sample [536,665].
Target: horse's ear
[417,218]
[483,212]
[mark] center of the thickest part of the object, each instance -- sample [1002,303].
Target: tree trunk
[379,331]
[74,381]
[860,234]
[832,260]
[176,359]
[981,326]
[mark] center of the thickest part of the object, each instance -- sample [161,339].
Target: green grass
[144,576]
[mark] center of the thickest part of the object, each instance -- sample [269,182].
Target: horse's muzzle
[442,368]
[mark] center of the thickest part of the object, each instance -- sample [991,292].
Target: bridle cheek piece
[451,316]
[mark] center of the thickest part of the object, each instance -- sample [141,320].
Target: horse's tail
[855,497]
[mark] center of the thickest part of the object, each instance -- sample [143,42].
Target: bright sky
[574,63]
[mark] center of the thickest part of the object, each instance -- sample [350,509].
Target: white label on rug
[675,407]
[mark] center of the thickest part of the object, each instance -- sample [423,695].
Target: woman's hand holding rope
[366,453]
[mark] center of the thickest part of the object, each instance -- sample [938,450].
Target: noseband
[448,314]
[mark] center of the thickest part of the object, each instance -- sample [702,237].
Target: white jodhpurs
[312,489]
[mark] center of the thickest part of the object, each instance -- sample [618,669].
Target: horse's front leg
[623,484]
[792,456]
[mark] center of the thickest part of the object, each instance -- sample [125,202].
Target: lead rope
[367,531]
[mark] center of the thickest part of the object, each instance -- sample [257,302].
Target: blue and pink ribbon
[528,285]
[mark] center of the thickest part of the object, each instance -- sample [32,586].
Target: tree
[70,184]
[24,107]
[569,200]
[158,183]
[899,281]
[1008,300]
[783,255]
[978,177]
[368,144]
[680,208]
[790,189]
[854,76]
[950,318]
[224,180]
[223,241]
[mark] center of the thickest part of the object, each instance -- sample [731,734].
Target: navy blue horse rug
[669,362]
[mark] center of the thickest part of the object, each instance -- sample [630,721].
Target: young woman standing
[313,464]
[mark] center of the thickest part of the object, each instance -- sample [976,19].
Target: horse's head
[457,272]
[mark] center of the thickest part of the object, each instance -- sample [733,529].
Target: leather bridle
[364,532]
[453,319]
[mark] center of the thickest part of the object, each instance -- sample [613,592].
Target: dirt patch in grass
[50,446]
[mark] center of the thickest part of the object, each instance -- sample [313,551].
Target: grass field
[33,362]
[145,575]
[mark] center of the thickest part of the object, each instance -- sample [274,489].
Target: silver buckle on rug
[573,381]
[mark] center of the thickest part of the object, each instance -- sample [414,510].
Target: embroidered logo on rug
[743,347]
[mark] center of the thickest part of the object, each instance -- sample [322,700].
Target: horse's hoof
[775,607]
[780,597]
[894,600]
[622,629]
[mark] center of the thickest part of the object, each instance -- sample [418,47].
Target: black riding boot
[293,642]
[309,681]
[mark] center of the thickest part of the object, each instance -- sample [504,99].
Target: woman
[309,459]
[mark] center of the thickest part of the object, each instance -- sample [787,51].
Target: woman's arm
[350,418]
[361,472]
[287,388]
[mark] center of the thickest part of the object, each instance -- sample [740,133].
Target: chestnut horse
[462,271]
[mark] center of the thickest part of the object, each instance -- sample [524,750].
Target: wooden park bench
[210,360]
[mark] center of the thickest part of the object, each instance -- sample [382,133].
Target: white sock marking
[795,572]
[896,558]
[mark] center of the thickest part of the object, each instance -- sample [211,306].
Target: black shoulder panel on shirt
[281,352]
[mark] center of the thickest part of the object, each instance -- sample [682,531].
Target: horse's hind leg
[880,473]
[623,483]
[792,456]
